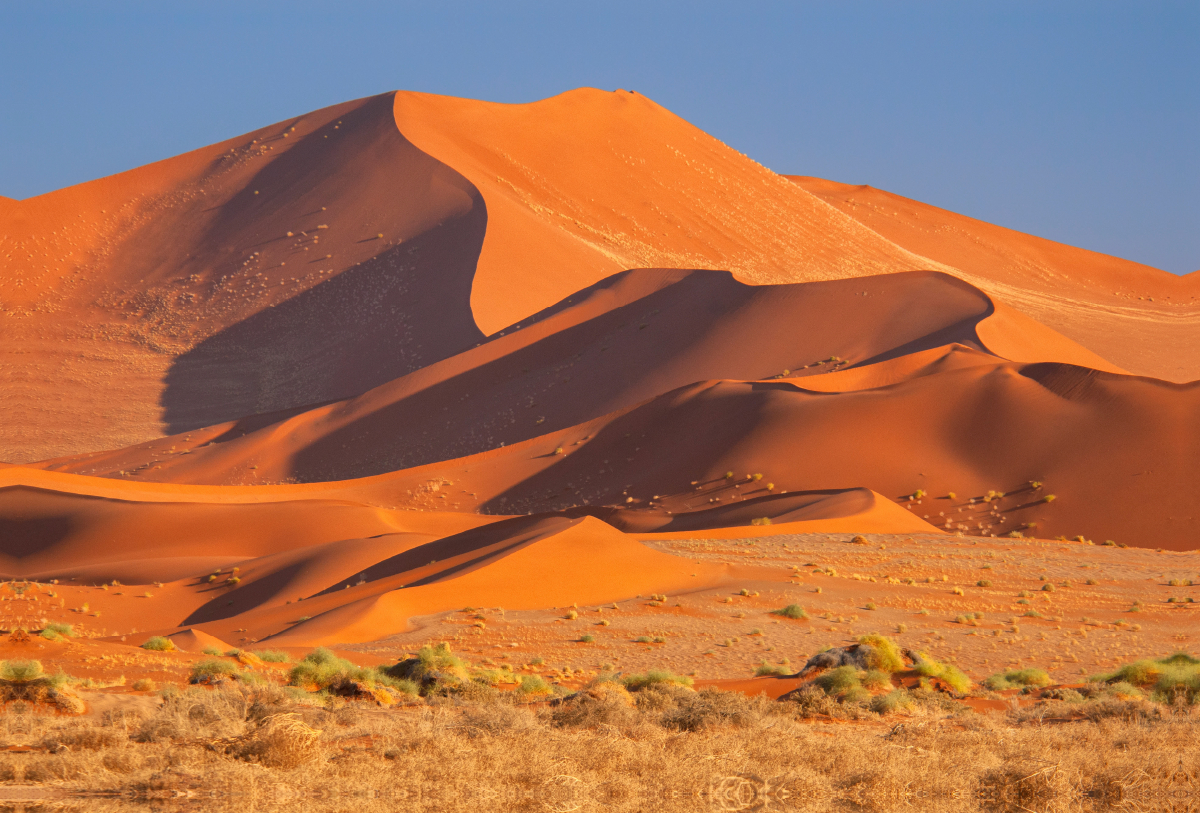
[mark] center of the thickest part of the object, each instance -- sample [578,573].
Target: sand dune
[1144,319]
[330,380]
[618,343]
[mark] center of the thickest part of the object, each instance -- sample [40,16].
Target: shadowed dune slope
[1144,319]
[625,340]
[258,274]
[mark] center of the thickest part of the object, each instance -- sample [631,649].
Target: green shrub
[877,680]
[839,682]
[893,701]
[587,639]
[55,630]
[271,656]
[1164,679]
[324,670]
[29,672]
[213,670]
[793,611]
[1017,679]
[212,650]
[534,684]
[655,677]
[771,670]
[159,644]
[885,655]
[951,675]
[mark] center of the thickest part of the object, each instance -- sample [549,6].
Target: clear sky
[1076,121]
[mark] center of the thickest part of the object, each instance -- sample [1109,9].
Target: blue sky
[1076,121]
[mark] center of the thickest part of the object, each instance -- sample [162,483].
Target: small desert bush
[323,671]
[655,677]
[213,671]
[950,674]
[1165,679]
[56,630]
[534,685]
[159,644]
[271,656]
[1017,679]
[770,670]
[885,655]
[793,611]
[892,702]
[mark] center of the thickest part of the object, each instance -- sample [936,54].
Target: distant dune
[414,352]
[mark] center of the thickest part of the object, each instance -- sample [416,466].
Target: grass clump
[271,656]
[323,671]
[1017,679]
[948,673]
[1166,679]
[845,683]
[159,644]
[885,656]
[772,670]
[56,631]
[892,702]
[655,677]
[793,611]
[213,671]
[533,685]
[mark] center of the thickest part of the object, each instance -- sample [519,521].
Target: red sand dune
[410,353]
[1139,317]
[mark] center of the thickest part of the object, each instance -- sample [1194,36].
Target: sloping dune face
[413,353]
[1145,320]
[259,274]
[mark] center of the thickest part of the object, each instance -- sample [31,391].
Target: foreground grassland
[451,740]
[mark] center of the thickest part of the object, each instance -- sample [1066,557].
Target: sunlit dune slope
[588,183]
[1144,319]
[625,340]
[248,563]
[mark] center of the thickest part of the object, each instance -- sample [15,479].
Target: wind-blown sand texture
[333,380]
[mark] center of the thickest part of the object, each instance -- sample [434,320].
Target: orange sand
[327,381]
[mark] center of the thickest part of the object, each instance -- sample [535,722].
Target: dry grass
[666,748]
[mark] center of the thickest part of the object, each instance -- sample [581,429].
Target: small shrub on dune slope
[1017,679]
[655,677]
[793,611]
[1165,679]
[948,673]
[159,644]
[324,671]
[885,655]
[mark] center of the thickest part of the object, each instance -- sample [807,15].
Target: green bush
[213,670]
[56,630]
[770,670]
[534,684]
[1164,679]
[793,611]
[885,655]
[950,674]
[159,644]
[271,656]
[325,671]
[840,681]
[655,677]
[1017,679]
[893,701]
